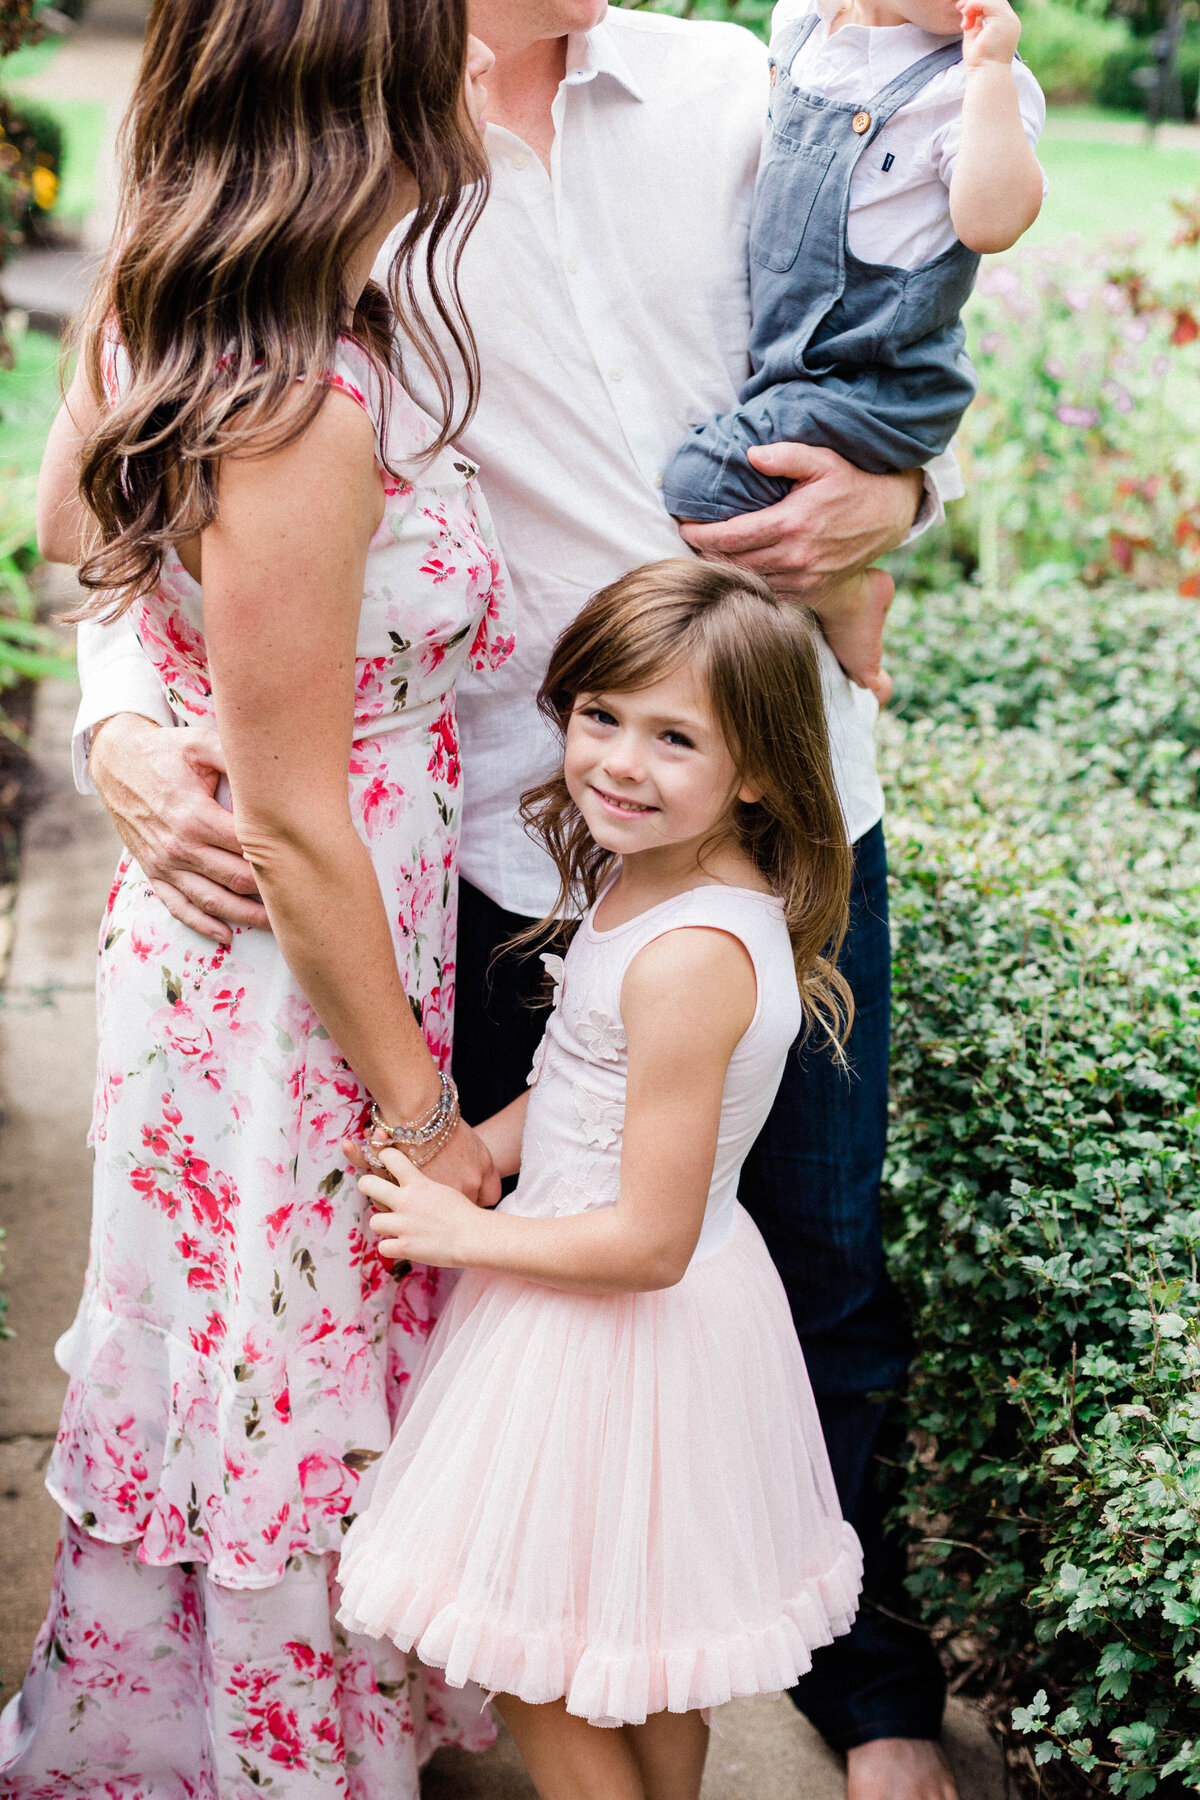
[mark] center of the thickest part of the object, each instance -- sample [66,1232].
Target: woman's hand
[465,1164]
[418,1219]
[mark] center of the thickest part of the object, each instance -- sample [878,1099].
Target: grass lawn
[32,59]
[1098,190]
[83,123]
[29,397]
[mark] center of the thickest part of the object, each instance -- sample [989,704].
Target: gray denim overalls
[860,357]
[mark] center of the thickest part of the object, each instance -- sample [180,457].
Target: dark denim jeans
[812,1184]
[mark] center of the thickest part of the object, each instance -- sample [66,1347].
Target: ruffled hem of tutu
[159,1446]
[611,1685]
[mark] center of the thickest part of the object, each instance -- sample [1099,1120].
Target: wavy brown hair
[259,150]
[759,658]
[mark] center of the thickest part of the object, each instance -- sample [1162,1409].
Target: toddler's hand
[416,1219]
[991,32]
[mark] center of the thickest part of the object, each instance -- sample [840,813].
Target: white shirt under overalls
[900,189]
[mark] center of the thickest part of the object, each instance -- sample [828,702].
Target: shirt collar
[596,52]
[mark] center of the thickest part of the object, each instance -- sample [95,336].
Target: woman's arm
[283,578]
[996,185]
[686,1002]
[63,521]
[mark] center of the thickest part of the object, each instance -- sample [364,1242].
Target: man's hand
[835,520]
[160,788]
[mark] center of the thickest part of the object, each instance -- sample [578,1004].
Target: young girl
[609,1500]
[900,146]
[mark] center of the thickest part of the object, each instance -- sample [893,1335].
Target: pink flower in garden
[1082,417]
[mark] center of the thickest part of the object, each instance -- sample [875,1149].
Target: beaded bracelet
[421,1139]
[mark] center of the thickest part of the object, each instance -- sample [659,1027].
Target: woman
[310,565]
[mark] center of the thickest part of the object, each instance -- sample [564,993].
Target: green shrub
[1068,51]
[1044,763]
[1117,87]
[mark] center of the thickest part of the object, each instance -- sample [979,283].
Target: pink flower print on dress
[444,764]
[381,802]
[601,1035]
[327,1484]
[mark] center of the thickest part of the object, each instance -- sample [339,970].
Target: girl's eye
[598,715]
[677,737]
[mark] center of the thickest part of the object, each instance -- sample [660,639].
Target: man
[607,285]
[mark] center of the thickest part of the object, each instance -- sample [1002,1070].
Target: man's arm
[836,519]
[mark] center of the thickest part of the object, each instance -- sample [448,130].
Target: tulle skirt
[622,1499]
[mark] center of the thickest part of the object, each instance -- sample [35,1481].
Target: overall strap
[786,42]
[910,81]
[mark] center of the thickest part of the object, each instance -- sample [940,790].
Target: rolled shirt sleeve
[115,677]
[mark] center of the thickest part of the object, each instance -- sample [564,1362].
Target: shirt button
[572,265]
[616,372]
[658,480]
[520,161]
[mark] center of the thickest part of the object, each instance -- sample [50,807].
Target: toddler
[899,149]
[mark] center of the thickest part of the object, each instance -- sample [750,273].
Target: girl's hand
[465,1163]
[991,32]
[416,1219]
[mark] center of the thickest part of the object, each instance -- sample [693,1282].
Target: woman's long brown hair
[759,658]
[259,150]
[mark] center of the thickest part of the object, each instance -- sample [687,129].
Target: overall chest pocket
[788,184]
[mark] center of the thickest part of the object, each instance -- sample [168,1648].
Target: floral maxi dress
[240,1350]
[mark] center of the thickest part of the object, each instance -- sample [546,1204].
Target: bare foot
[899,1769]
[852,616]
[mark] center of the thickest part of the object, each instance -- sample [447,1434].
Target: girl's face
[649,769]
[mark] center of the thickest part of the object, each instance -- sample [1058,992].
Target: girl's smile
[649,769]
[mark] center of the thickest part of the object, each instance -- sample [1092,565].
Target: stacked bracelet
[421,1139]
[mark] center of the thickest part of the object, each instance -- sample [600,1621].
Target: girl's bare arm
[283,579]
[996,187]
[686,1002]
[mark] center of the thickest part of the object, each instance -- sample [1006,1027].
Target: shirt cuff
[115,679]
[943,481]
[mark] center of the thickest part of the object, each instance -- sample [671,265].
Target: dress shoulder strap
[755,919]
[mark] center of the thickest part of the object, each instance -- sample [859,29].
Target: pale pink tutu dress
[624,1499]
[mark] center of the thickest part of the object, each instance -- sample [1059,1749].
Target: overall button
[774,74]
[860,122]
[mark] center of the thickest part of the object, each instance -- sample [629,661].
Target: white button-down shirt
[900,189]
[610,301]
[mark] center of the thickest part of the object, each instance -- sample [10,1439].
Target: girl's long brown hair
[759,658]
[259,150]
